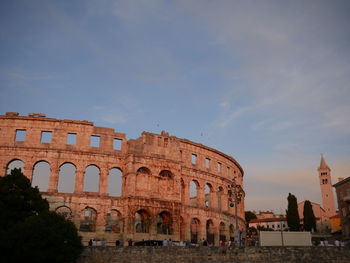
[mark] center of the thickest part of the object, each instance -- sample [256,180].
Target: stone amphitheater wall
[156,171]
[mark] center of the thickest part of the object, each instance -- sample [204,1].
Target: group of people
[325,243]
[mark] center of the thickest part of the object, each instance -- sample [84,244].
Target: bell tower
[324,174]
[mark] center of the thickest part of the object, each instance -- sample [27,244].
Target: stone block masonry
[215,255]
[154,187]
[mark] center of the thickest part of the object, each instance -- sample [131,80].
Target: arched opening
[219,196]
[66,178]
[210,232]
[142,221]
[143,176]
[113,222]
[64,211]
[207,195]
[115,182]
[19,164]
[91,179]
[88,220]
[166,174]
[41,176]
[194,193]
[143,170]
[222,231]
[164,223]
[194,228]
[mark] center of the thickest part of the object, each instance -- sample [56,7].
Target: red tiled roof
[268,220]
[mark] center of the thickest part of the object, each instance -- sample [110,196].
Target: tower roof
[323,164]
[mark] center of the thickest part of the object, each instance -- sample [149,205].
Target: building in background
[342,189]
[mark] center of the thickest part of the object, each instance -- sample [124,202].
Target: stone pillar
[54,174]
[79,181]
[103,184]
[3,167]
[202,233]
[186,193]
[200,196]
[213,199]
[28,169]
[217,234]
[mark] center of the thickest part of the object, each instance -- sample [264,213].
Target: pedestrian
[90,242]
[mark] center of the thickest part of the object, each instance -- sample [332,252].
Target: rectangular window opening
[20,135]
[94,141]
[194,158]
[117,144]
[46,137]
[71,138]
[207,163]
[219,167]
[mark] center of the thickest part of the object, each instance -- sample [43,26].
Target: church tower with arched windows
[324,173]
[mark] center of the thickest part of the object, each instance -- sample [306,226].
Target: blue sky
[267,82]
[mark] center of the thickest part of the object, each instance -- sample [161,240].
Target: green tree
[309,217]
[18,200]
[293,218]
[29,231]
[249,215]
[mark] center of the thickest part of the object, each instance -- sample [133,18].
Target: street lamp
[235,193]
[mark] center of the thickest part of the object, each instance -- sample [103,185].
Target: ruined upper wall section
[37,131]
[189,154]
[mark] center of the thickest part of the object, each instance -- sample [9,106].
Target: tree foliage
[249,215]
[309,217]
[18,200]
[293,218]
[29,231]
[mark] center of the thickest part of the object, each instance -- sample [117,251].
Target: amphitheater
[154,187]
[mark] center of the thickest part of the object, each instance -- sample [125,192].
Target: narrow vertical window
[194,158]
[20,135]
[117,144]
[71,138]
[207,163]
[219,167]
[94,141]
[46,137]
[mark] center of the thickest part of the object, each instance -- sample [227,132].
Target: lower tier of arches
[138,219]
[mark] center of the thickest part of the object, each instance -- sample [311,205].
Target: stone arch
[14,163]
[64,211]
[143,177]
[165,223]
[88,220]
[166,174]
[142,221]
[41,175]
[115,182]
[208,190]
[222,231]
[194,230]
[143,170]
[91,178]
[194,186]
[113,221]
[210,231]
[66,178]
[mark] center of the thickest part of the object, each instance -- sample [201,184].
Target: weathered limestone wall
[216,254]
[156,173]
